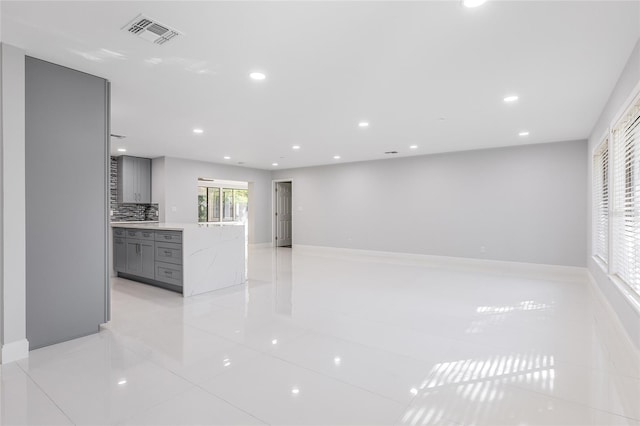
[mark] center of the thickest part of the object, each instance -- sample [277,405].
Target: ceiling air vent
[151,30]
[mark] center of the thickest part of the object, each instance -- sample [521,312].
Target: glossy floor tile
[316,338]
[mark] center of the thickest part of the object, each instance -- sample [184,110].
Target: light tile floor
[320,339]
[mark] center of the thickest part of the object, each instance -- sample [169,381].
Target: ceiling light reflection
[473,3]
[257,76]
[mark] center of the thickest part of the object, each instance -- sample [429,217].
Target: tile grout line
[563,399]
[49,397]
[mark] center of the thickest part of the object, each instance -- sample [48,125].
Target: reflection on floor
[319,339]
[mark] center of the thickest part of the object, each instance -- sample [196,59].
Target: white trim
[14,351]
[635,93]
[604,302]
[541,271]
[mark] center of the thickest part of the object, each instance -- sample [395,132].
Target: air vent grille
[151,30]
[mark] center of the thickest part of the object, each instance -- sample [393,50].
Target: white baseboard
[533,270]
[14,351]
[605,305]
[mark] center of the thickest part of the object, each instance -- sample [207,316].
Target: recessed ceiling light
[525,133]
[511,98]
[257,76]
[336,157]
[295,147]
[226,157]
[413,147]
[363,124]
[295,391]
[122,150]
[473,3]
[198,131]
[122,382]
[274,164]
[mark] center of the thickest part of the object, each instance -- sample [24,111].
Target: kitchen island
[187,258]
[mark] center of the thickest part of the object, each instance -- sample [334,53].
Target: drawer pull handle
[167,237]
[168,272]
[167,252]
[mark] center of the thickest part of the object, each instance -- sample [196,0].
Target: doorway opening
[282,213]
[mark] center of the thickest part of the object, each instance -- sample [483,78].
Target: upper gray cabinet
[134,180]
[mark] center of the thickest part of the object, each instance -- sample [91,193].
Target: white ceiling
[427,73]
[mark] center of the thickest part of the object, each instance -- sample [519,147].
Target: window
[213,212]
[601,201]
[232,203]
[227,202]
[626,197]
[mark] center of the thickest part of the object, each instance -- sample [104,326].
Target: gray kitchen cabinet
[140,258]
[149,256]
[169,273]
[134,180]
[119,254]
[169,252]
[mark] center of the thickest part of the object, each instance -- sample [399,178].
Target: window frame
[599,175]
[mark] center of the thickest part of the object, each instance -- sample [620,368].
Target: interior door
[283,214]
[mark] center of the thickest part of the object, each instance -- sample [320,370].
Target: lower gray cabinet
[168,252]
[119,254]
[169,273]
[154,257]
[140,258]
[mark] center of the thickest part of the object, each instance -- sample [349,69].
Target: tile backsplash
[127,212]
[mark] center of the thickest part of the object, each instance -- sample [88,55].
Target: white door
[283,214]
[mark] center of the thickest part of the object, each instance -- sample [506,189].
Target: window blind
[601,201]
[626,197]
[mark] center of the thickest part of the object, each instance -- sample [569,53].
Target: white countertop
[127,222]
[172,226]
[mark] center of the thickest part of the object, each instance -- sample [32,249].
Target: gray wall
[178,201]
[628,82]
[67,168]
[524,204]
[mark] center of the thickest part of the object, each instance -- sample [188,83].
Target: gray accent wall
[67,145]
[522,204]
[629,80]
[175,189]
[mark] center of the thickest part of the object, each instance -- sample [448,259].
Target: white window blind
[626,197]
[601,201]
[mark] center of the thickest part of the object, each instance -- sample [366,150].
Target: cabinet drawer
[169,236]
[119,232]
[140,234]
[169,252]
[169,273]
